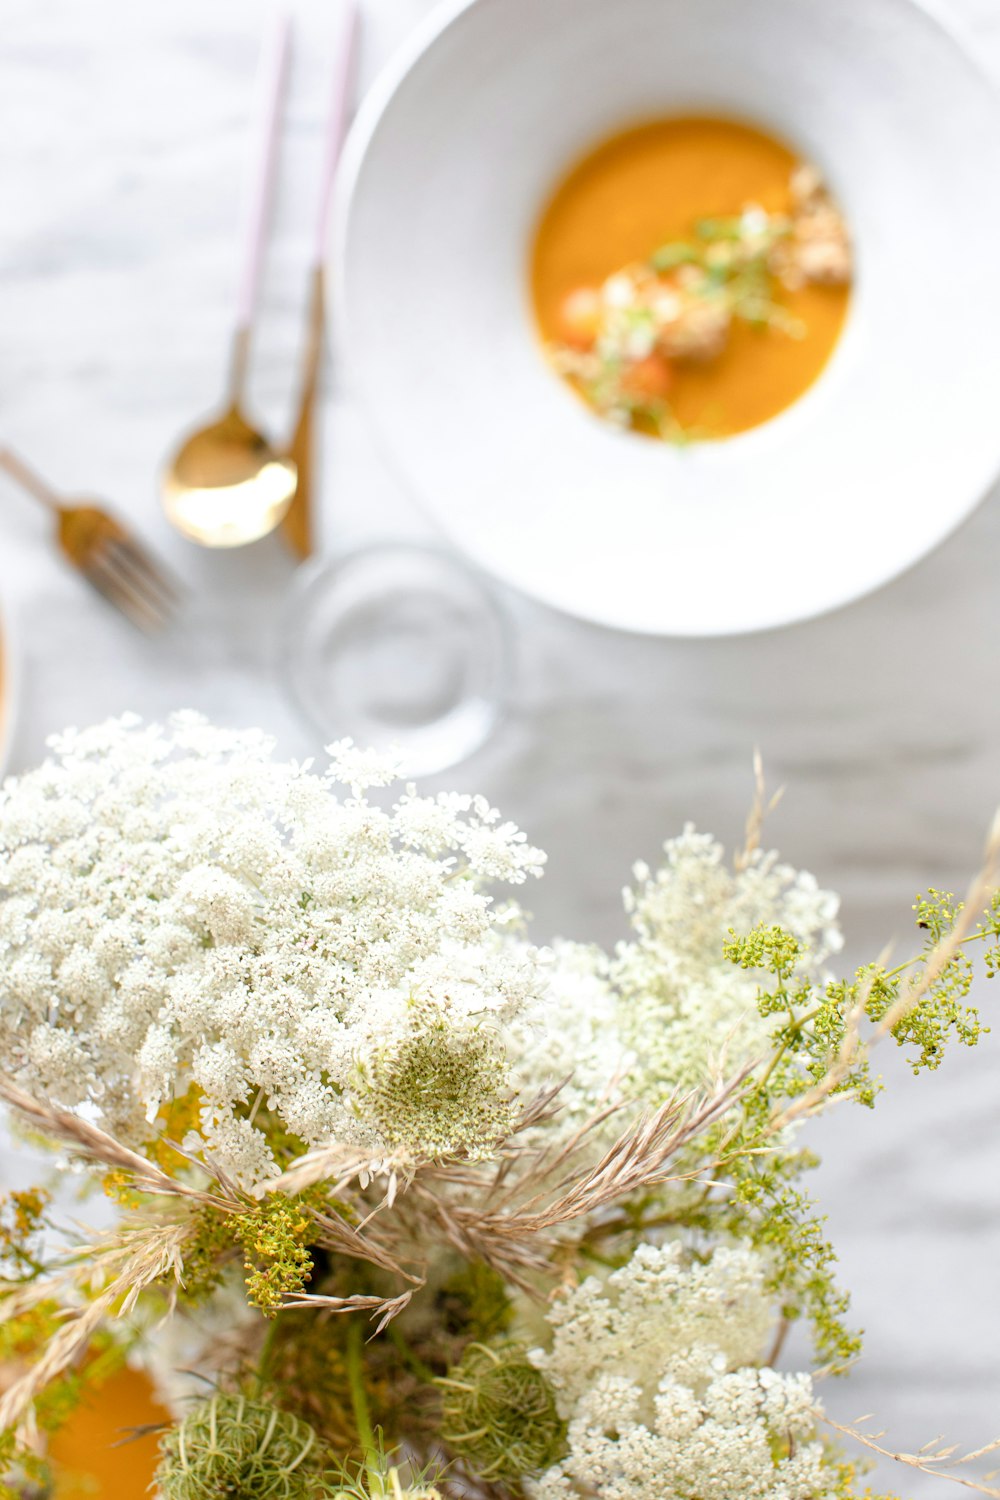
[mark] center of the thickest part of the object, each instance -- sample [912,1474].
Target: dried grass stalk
[510,1226]
[760,810]
[389,1307]
[148,1256]
[930,1460]
[94,1144]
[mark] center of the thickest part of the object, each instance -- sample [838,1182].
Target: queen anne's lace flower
[186,924]
[655,1370]
[668,1011]
[572,1037]
[685,1008]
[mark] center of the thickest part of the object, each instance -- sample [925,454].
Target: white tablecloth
[122,143]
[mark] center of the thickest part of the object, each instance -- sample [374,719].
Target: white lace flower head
[195,934]
[656,1373]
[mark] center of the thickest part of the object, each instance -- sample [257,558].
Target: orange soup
[95,1456]
[729,248]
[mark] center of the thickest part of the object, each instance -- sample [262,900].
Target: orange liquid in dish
[650,186]
[87,1464]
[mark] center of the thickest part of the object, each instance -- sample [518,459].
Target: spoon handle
[273,78]
[341,99]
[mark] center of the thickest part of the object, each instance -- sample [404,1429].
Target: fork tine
[154,566]
[126,607]
[139,608]
[149,574]
[116,587]
[123,600]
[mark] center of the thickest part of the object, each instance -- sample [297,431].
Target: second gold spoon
[299,525]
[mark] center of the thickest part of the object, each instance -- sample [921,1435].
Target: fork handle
[27,478]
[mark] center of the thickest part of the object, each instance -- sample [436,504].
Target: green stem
[410,1358]
[796,1025]
[608,1228]
[589,1253]
[266,1351]
[359,1397]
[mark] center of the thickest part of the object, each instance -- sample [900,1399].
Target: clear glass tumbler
[398,646]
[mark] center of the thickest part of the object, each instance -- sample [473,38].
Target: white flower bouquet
[406,1205]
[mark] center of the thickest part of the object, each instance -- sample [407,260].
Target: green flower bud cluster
[230,1446]
[499,1413]
[444,1092]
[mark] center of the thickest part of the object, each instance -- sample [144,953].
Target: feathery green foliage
[767,1205]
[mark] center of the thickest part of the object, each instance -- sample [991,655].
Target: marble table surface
[122,140]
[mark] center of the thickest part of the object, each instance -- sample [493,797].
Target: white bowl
[454,154]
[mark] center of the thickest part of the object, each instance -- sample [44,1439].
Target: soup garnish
[643,343]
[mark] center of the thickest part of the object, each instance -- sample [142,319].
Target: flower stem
[410,1358]
[264,1360]
[359,1397]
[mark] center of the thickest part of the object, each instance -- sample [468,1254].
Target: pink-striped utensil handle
[272,81]
[338,118]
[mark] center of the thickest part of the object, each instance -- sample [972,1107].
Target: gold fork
[104,551]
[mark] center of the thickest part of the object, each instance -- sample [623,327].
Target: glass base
[398,646]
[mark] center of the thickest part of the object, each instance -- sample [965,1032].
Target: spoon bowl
[226,486]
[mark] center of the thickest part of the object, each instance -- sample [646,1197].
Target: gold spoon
[226,486]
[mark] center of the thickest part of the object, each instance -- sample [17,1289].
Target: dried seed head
[499,1413]
[230,1446]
